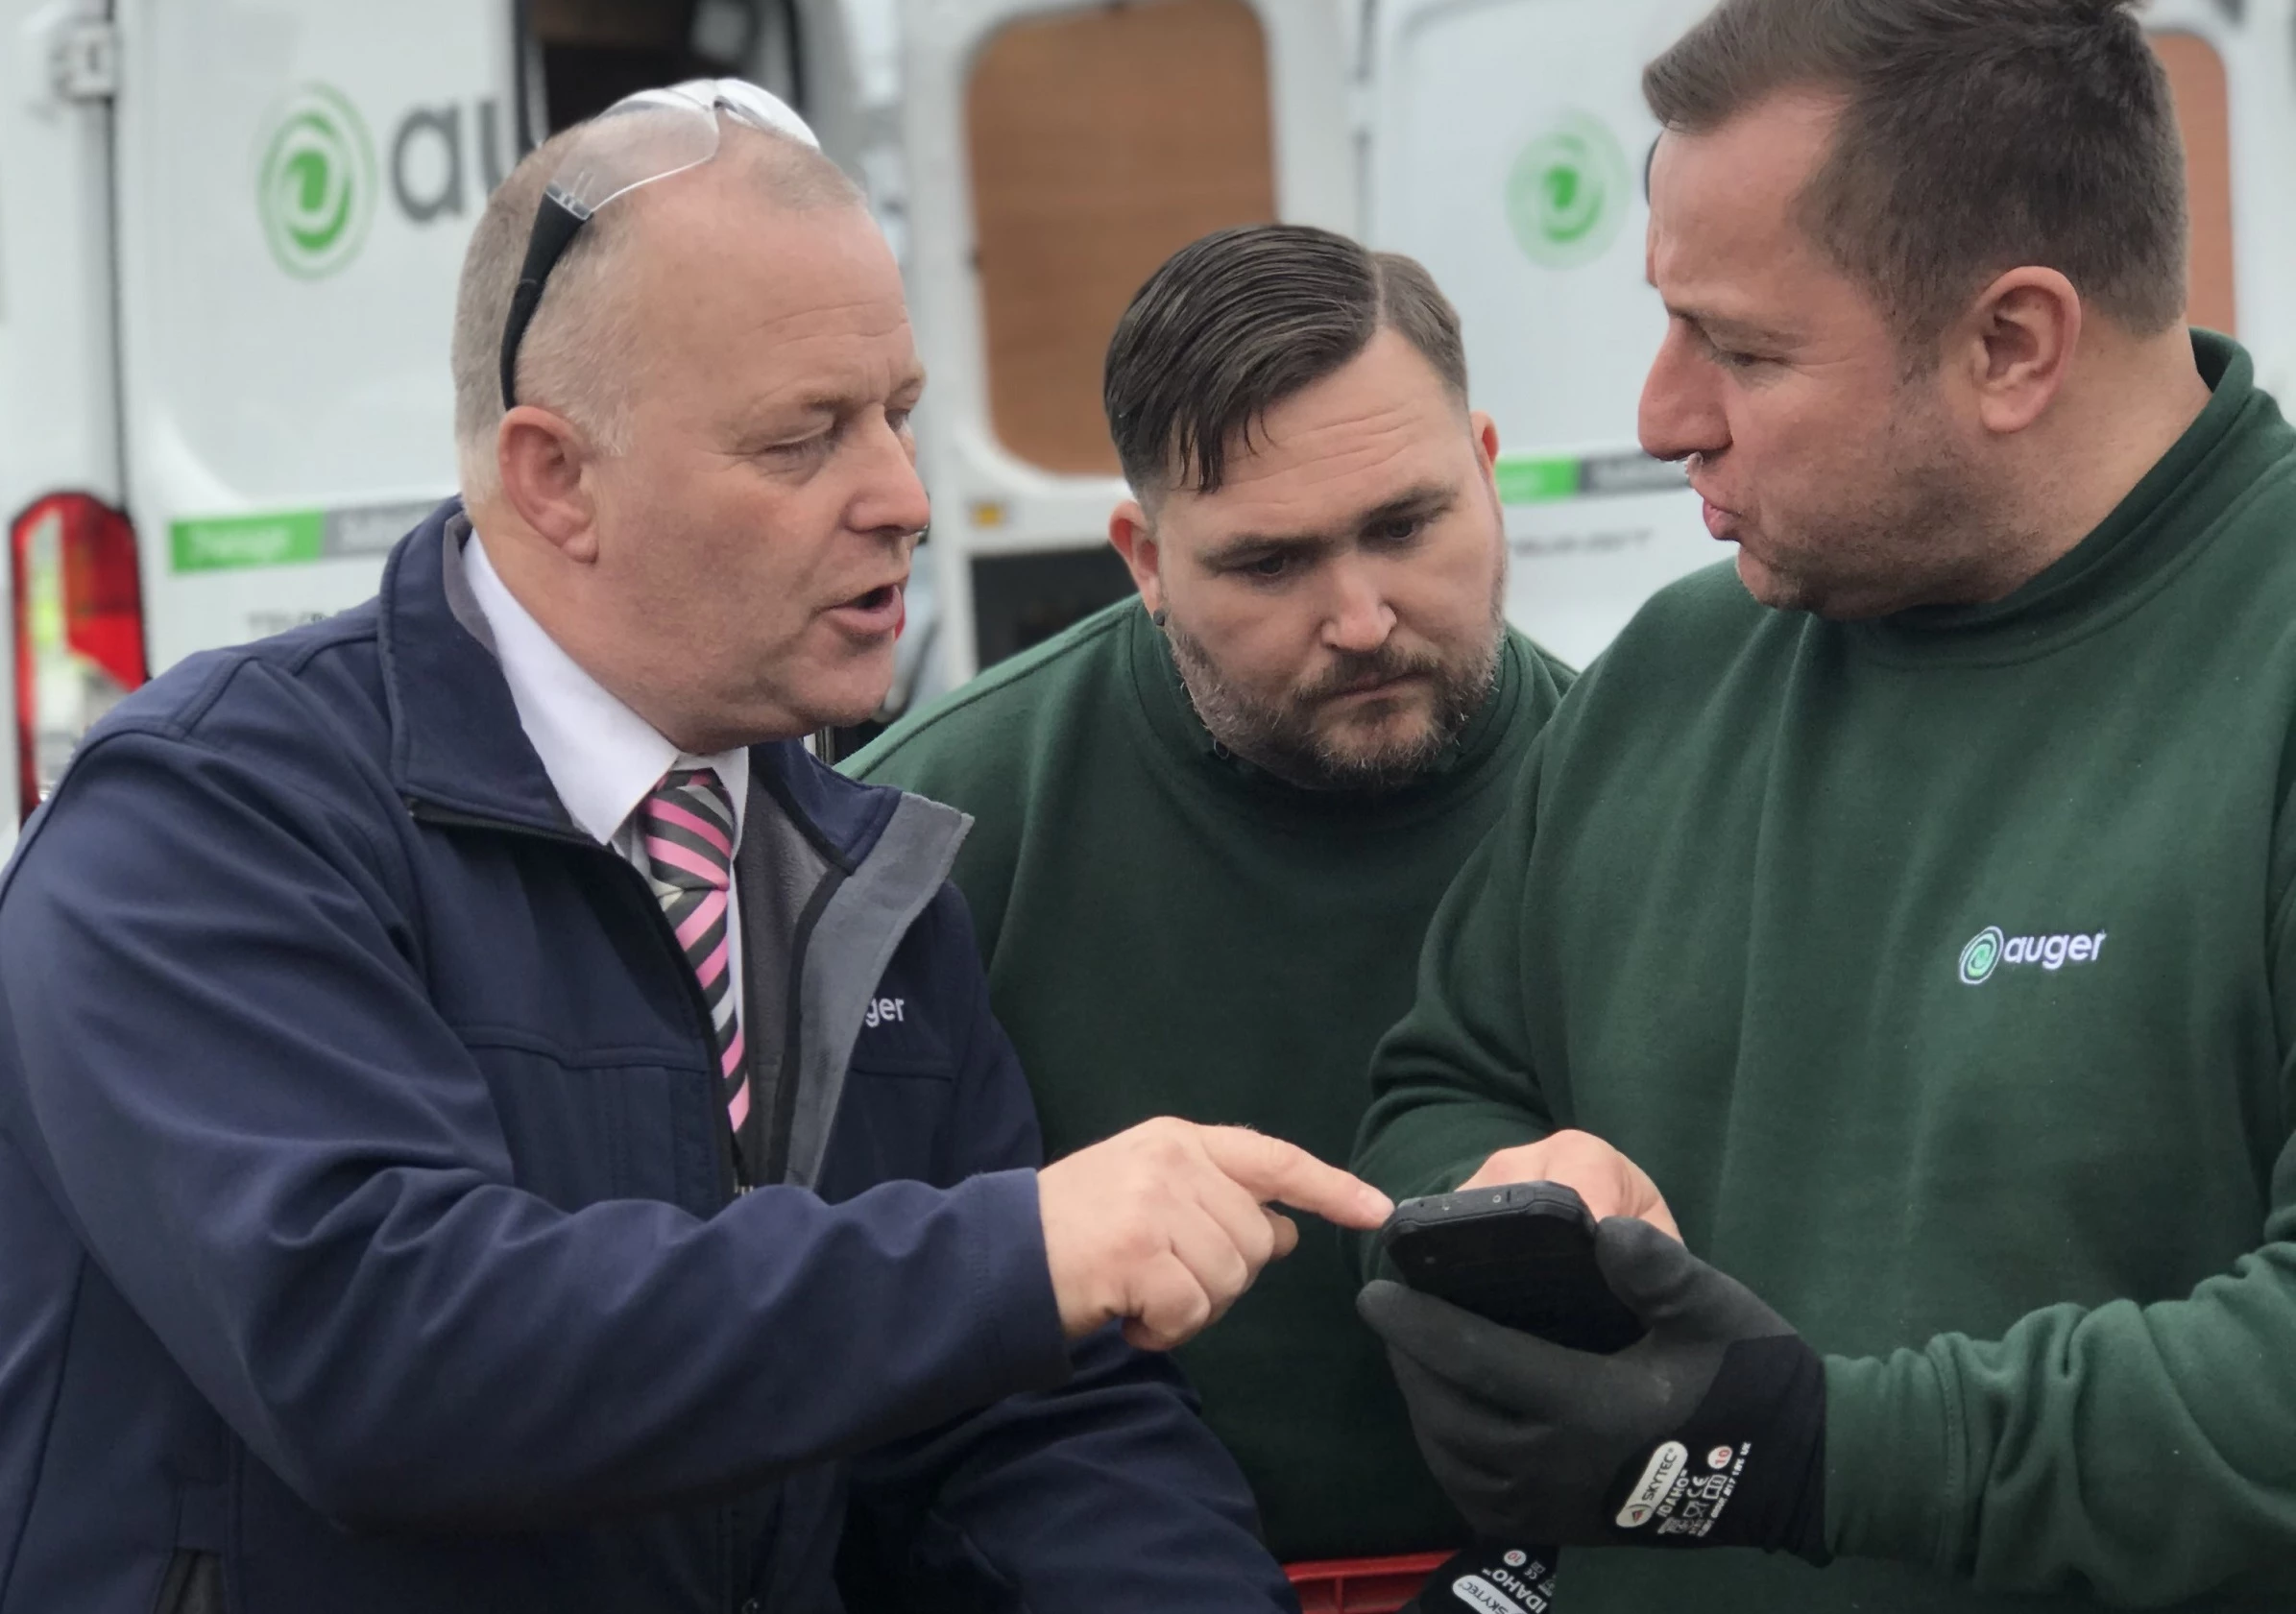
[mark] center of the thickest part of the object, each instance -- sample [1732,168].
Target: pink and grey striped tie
[688,825]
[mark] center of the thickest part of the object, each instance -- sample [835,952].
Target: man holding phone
[1916,905]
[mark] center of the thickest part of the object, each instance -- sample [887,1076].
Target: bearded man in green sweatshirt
[1916,905]
[1212,822]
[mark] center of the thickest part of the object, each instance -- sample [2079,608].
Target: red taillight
[79,624]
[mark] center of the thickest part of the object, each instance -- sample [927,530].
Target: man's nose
[1360,619]
[1682,411]
[892,495]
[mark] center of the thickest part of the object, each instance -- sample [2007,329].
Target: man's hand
[1610,1184]
[1710,1431]
[1166,1224]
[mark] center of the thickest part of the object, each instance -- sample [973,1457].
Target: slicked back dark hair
[1236,322]
[1977,136]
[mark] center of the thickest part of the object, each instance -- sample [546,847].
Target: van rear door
[1056,154]
[295,185]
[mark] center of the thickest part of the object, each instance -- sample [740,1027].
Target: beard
[1285,736]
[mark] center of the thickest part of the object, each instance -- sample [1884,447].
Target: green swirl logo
[1568,192]
[1979,959]
[315,189]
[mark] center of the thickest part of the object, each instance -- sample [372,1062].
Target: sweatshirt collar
[2237,435]
[602,757]
[459,749]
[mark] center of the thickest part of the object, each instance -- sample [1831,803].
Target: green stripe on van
[1536,479]
[219,542]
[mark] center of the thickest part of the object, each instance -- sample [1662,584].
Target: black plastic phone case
[1521,1254]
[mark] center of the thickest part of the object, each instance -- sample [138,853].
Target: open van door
[295,183]
[1508,140]
[1056,154]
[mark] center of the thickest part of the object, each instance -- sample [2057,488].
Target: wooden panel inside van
[2197,74]
[1100,143]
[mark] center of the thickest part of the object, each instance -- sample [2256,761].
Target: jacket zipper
[733,1169]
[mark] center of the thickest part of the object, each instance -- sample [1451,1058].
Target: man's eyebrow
[835,401]
[1426,499]
[1253,546]
[1722,328]
[839,400]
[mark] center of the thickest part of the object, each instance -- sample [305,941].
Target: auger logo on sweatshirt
[1990,950]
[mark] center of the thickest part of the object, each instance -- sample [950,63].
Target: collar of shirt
[602,757]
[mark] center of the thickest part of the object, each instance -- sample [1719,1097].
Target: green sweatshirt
[1941,972]
[1170,932]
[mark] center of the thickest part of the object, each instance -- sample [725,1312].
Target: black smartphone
[1521,1254]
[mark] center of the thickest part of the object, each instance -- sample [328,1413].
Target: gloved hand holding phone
[1707,1432]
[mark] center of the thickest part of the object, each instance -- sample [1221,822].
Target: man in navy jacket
[487,1122]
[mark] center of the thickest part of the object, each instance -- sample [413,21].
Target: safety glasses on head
[638,140]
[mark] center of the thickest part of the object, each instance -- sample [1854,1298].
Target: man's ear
[1486,444]
[540,457]
[2015,348]
[1134,536]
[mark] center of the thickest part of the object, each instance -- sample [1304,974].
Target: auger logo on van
[1990,950]
[316,190]
[319,182]
[1569,192]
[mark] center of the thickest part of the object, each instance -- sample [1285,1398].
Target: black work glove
[1490,1580]
[1707,1432]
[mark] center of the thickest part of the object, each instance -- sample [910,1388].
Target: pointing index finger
[1269,1169]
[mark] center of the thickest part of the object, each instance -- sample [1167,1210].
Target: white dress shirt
[602,757]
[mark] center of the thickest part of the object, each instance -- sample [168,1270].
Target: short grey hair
[580,352]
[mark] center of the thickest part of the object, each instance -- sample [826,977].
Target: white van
[1060,153]
[229,232]
[229,235]
[228,239]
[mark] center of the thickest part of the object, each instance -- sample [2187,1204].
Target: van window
[1100,143]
